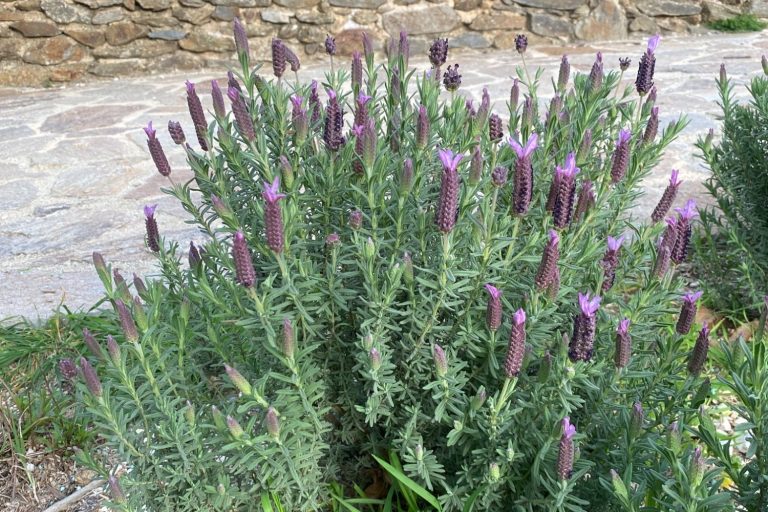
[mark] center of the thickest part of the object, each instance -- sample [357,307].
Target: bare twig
[75,496]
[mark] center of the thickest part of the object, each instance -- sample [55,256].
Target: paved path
[75,171]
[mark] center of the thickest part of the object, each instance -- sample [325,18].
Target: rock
[53,50]
[87,35]
[178,60]
[673,24]
[565,5]
[28,5]
[316,18]
[36,28]
[311,49]
[9,49]
[668,8]
[154,19]
[436,19]
[68,72]
[107,16]
[351,40]
[311,35]
[643,23]
[365,17]
[288,31]
[192,3]
[470,40]
[15,194]
[358,4]
[154,5]
[297,4]
[242,3]
[142,48]
[130,4]
[278,16]
[98,4]
[405,2]
[759,8]
[714,10]
[193,16]
[123,32]
[550,25]
[467,5]
[498,21]
[606,22]
[119,67]
[167,35]
[63,11]
[225,13]
[200,41]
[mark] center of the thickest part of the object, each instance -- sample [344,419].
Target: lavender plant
[407,284]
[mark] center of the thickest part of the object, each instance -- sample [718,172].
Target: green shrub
[740,23]
[732,245]
[340,309]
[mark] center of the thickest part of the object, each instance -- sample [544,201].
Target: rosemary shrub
[414,285]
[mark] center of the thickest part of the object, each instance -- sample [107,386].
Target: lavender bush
[392,272]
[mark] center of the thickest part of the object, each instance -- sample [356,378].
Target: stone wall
[44,41]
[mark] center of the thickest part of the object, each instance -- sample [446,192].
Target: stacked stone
[63,40]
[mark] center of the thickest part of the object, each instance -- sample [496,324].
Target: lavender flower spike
[521,43]
[644,80]
[452,78]
[548,265]
[273,219]
[422,127]
[652,127]
[441,361]
[623,344]
[357,71]
[699,354]
[667,197]
[565,177]
[495,128]
[438,52]
[156,151]
[494,309]
[330,45]
[687,312]
[334,122]
[683,238]
[197,115]
[516,346]
[90,377]
[620,156]
[610,261]
[241,39]
[563,74]
[582,341]
[126,321]
[176,132]
[523,173]
[278,57]
[153,234]
[448,205]
[242,116]
[565,452]
[246,274]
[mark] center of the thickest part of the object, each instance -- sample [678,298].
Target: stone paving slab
[75,171]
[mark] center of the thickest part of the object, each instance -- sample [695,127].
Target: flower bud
[369,251]
[441,361]
[118,496]
[375,358]
[286,171]
[289,339]
[92,344]
[355,220]
[564,73]
[92,381]
[189,414]
[476,166]
[126,321]
[408,268]
[494,474]
[696,470]
[234,428]
[139,285]
[68,369]
[114,351]
[218,418]
[406,177]
[479,399]
[273,423]
[238,380]
[699,353]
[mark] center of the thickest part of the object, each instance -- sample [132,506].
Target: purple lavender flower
[514,95]
[523,193]
[484,109]
[652,127]
[404,47]
[667,197]
[521,43]
[357,71]
[332,240]
[68,369]
[650,101]
[406,177]
[495,128]
[493,310]
[516,346]
[620,160]
[549,258]
[683,239]
[273,423]
[139,285]
[176,132]
[441,361]
[361,109]
[452,78]
[563,74]
[292,59]
[448,204]
[438,52]
[118,496]
[586,145]
[126,321]
[555,105]
[623,344]
[244,271]
[113,349]
[699,354]
[197,115]
[499,176]
[367,46]
[153,234]
[193,256]
[232,82]
[357,163]
[526,118]
[565,451]
[624,63]
[278,57]
[610,261]
[273,219]
[242,116]
[422,127]
[299,118]
[687,312]
[644,80]
[330,45]
[355,220]
[476,166]
[661,265]
[583,339]
[289,339]
[585,201]
[596,73]
[562,210]
[156,151]
[334,122]
[395,87]
[92,381]
[669,237]
[241,39]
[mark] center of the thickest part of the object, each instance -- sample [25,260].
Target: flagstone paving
[75,171]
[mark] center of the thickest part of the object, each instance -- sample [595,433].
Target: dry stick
[75,496]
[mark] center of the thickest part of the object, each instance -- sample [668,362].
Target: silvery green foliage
[388,346]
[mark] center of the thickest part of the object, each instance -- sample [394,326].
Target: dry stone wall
[44,41]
